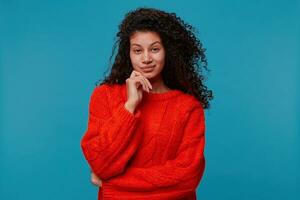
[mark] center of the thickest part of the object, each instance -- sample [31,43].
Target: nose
[147,58]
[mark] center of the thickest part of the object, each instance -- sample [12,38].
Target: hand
[135,85]
[95,180]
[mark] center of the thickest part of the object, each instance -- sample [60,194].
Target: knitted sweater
[155,153]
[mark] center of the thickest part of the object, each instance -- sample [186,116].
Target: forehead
[144,38]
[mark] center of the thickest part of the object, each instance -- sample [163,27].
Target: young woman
[145,136]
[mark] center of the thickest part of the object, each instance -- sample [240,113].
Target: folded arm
[110,139]
[182,173]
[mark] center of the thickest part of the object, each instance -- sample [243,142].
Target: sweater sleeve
[110,139]
[182,173]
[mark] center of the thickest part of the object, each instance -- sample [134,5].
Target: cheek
[160,58]
[134,59]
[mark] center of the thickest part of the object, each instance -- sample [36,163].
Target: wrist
[129,106]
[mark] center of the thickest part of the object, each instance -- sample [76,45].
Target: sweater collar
[161,96]
[155,96]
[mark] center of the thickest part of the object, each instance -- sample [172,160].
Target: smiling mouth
[147,68]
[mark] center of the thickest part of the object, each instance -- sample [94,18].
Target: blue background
[53,52]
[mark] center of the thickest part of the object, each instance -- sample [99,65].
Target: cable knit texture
[155,153]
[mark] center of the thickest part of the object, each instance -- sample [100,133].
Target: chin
[149,75]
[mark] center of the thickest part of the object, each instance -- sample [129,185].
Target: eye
[136,50]
[155,49]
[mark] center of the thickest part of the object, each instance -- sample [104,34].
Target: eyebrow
[150,44]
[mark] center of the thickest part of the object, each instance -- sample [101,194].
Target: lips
[148,67]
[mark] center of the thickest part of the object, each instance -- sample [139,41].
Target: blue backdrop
[53,52]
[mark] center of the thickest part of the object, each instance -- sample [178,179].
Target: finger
[145,82]
[95,180]
[148,82]
[137,82]
[137,72]
[134,73]
[141,81]
[145,87]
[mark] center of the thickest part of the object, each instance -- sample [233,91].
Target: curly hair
[185,59]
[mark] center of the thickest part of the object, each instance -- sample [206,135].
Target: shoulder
[105,96]
[188,106]
[191,110]
[108,91]
[188,103]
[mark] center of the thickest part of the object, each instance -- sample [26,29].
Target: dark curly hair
[185,60]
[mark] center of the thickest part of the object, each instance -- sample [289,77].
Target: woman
[145,135]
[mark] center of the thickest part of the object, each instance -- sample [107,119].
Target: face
[147,54]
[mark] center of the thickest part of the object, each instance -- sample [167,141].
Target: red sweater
[155,153]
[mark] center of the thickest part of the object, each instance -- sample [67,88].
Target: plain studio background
[53,52]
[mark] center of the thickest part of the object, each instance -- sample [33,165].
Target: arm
[110,139]
[182,173]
